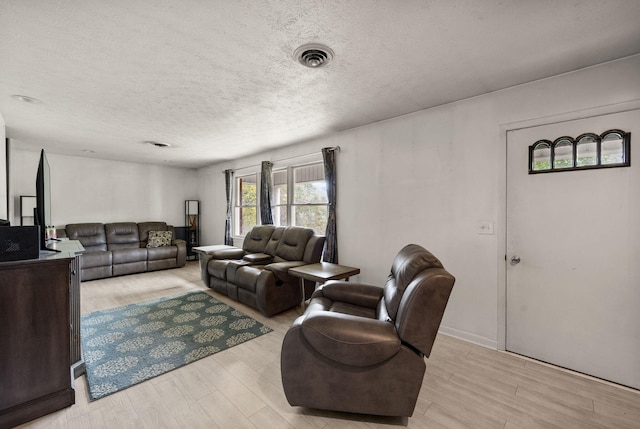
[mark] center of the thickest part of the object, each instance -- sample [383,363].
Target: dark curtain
[228,181]
[330,253]
[266,191]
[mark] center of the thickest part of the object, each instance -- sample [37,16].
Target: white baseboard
[469,337]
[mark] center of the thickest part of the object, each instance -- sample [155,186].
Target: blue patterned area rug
[128,345]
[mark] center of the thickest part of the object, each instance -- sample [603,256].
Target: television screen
[43,199]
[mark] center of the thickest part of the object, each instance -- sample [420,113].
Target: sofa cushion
[159,238]
[256,240]
[158,253]
[145,227]
[122,235]
[218,268]
[247,277]
[91,235]
[123,256]
[293,243]
[272,245]
[101,258]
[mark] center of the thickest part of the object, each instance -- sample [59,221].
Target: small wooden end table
[322,272]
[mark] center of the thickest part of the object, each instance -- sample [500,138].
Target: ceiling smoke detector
[157,144]
[313,55]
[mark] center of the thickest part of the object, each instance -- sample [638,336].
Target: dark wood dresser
[40,351]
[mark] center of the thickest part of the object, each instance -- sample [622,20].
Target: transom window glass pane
[612,149]
[563,154]
[587,151]
[541,156]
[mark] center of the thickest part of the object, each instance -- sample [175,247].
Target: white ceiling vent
[313,55]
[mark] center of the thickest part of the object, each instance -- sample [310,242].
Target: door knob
[515,260]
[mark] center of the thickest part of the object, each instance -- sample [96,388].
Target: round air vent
[313,55]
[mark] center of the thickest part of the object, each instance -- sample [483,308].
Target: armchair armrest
[283,267]
[258,258]
[350,340]
[352,293]
[281,270]
[231,253]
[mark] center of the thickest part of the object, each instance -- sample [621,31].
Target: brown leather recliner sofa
[120,248]
[257,274]
[361,348]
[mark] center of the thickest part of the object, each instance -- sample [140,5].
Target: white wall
[430,177]
[93,190]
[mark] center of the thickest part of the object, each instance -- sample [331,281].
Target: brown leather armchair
[361,348]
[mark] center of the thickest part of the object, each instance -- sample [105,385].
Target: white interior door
[574,298]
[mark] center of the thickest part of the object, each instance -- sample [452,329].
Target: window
[588,151]
[563,153]
[541,156]
[246,198]
[309,208]
[280,198]
[299,199]
[615,148]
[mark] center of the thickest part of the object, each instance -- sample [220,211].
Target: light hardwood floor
[466,386]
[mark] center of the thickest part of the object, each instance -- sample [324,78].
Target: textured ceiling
[217,79]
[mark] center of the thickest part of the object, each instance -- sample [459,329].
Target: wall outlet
[485,227]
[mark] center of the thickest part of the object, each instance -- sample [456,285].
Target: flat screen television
[43,199]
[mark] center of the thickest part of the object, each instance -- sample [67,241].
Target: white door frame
[501,230]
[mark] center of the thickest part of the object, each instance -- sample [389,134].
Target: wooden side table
[321,272]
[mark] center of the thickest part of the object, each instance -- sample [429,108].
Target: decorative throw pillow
[159,238]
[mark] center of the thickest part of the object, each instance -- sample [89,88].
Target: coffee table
[322,272]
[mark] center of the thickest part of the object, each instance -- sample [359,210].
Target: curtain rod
[333,149]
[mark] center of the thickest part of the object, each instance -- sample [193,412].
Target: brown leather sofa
[257,274]
[361,348]
[120,248]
